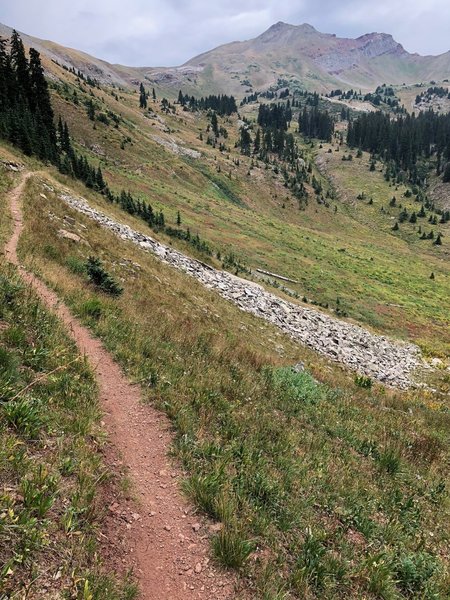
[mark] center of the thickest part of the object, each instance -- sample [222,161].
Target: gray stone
[391,362]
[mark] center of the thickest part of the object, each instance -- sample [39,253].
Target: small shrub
[91,308]
[414,571]
[231,549]
[296,389]
[24,414]
[101,278]
[389,461]
[51,251]
[363,381]
[76,265]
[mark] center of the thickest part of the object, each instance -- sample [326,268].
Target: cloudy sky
[169,32]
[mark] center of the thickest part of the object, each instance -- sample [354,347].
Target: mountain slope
[321,484]
[317,60]
[297,54]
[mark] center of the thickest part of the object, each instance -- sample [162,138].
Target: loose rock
[390,362]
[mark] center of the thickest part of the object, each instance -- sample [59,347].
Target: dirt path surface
[168,542]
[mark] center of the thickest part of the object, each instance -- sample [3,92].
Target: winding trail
[168,542]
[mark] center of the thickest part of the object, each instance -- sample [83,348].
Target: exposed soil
[159,532]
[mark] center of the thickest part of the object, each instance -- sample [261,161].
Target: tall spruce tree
[142,96]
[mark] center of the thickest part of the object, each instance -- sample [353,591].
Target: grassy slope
[369,278]
[51,472]
[336,491]
[393,269]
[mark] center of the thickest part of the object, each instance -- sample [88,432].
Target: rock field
[390,362]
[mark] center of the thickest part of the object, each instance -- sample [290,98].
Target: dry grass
[52,474]
[336,491]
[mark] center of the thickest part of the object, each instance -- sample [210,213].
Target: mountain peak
[380,43]
[281,29]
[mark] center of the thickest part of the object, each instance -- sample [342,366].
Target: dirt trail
[168,542]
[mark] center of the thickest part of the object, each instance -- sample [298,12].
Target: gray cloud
[169,32]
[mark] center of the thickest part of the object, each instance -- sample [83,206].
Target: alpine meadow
[225,321]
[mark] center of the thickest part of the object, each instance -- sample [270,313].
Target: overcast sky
[170,32]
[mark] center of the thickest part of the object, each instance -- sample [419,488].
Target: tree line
[27,122]
[26,115]
[316,123]
[403,140]
[222,104]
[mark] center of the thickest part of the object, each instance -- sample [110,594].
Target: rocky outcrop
[390,362]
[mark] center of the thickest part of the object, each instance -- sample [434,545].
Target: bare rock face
[346,53]
[377,44]
[390,362]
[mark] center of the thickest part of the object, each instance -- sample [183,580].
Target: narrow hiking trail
[165,540]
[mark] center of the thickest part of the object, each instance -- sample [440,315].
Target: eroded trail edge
[168,542]
[391,362]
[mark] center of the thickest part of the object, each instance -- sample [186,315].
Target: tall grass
[50,490]
[322,488]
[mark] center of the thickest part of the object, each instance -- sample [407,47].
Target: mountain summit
[299,54]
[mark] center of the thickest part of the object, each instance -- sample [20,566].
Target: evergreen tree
[446,176]
[214,124]
[142,97]
[257,143]
[245,140]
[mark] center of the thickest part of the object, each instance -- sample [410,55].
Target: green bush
[231,549]
[414,572]
[76,265]
[297,389]
[92,308]
[24,414]
[363,381]
[101,278]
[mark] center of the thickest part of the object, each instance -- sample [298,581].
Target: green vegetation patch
[327,489]
[51,473]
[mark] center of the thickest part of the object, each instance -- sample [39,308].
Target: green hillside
[317,483]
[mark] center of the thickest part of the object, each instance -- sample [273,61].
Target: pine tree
[90,110]
[20,64]
[142,96]
[245,140]
[446,176]
[438,240]
[178,218]
[99,181]
[214,124]
[257,144]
